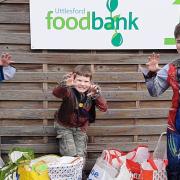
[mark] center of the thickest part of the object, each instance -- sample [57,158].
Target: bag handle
[77,158]
[115,154]
[153,165]
[158,143]
[135,151]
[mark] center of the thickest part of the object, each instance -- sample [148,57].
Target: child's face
[178,44]
[82,83]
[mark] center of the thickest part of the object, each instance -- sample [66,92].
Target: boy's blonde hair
[83,70]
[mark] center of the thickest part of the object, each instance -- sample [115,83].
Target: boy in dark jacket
[79,98]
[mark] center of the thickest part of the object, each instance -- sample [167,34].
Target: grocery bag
[67,168]
[102,170]
[36,169]
[155,168]
[117,165]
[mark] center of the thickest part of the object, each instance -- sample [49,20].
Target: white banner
[104,24]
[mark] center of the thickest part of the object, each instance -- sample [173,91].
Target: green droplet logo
[117,39]
[111,5]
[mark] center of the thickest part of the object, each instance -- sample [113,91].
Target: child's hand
[94,90]
[5,60]
[153,63]
[69,78]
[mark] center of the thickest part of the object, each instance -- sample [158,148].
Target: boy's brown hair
[83,70]
[177,31]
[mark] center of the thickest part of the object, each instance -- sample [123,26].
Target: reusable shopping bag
[67,168]
[37,169]
[102,170]
[117,165]
[155,168]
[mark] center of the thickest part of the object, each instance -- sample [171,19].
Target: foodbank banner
[103,24]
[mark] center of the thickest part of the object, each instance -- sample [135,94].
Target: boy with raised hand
[6,71]
[159,80]
[79,98]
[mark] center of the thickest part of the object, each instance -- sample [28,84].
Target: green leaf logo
[112,5]
[169,41]
[176,2]
[117,39]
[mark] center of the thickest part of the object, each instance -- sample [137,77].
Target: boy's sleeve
[156,82]
[61,91]
[1,74]
[7,73]
[101,103]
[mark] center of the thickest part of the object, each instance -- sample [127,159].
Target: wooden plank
[107,86]
[155,104]
[92,147]
[11,48]
[100,77]
[134,96]
[133,113]
[38,148]
[23,122]
[15,2]
[27,130]
[109,68]
[21,95]
[128,146]
[110,114]
[55,104]
[14,28]
[120,96]
[97,68]
[92,130]
[116,104]
[21,104]
[25,114]
[87,58]
[8,8]
[14,18]
[34,95]
[107,139]
[29,67]
[21,86]
[126,130]
[14,38]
